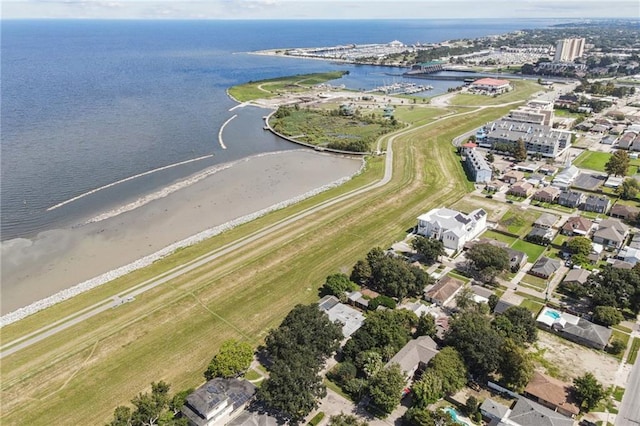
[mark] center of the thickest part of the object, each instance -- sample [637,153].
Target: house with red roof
[490,86]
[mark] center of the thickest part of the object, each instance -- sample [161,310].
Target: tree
[337,285]
[449,367]
[464,298]
[361,272]
[382,329]
[370,363]
[428,389]
[520,151]
[518,324]
[616,287]
[121,416]
[471,406]
[488,260]
[588,391]
[477,342]
[306,329]
[618,164]
[617,346]
[149,406]
[426,326]
[293,387]
[385,388]
[430,248]
[516,367]
[629,189]
[493,302]
[346,420]
[490,158]
[419,416]
[233,359]
[607,315]
[579,245]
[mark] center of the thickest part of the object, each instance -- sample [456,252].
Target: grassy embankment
[81,374]
[271,88]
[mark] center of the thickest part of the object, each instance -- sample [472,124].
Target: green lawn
[537,283]
[532,250]
[622,328]
[265,89]
[618,393]
[518,221]
[624,337]
[592,160]
[533,306]
[633,352]
[81,374]
[521,89]
[416,114]
[499,237]
[553,206]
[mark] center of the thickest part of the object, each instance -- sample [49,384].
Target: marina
[401,88]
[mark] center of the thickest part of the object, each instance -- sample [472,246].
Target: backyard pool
[553,314]
[454,415]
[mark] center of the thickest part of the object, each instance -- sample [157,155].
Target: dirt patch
[567,360]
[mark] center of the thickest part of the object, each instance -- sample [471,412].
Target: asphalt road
[629,413]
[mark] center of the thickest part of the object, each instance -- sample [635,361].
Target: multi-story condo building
[477,167]
[569,49]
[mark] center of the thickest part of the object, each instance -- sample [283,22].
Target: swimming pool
[454,415]
[553,314]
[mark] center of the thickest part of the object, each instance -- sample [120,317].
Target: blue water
[454,415]
[553,314]
[87,103]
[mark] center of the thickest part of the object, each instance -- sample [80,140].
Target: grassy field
[532,250]
[522,89]
[518,221]
[593,160]
[537,283]
[499,237]
[633,352]
[265,89]
[623,337]
[80,375]
[323,129]
[533,306]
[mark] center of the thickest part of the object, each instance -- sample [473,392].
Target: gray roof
[417,351]
[577,275]
[541,232]
[493,408]
[208,397]
[570,198]
[477,161]
[546,266]
[612,230]
[253,418]
[502,306]
[586,330]
[529,413]
[350,318]
[593,202]
[546,220]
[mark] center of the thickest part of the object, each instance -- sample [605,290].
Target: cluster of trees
[615,287]
[338,285]
[429,248]
[297,350]
[232,360]
[157,407]
[363,370]
[445,374]
[629,189]
[495,346]
[390,275]
[488,260]
[580,248]
[618,164]
[605,89]
[517,150]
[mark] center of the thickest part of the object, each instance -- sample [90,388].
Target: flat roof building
[538,138]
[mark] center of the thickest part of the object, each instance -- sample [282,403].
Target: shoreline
[102,251]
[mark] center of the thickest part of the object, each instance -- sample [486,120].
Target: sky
[317,9]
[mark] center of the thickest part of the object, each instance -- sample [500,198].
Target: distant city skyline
[316,9]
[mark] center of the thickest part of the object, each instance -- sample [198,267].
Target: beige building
[569,49]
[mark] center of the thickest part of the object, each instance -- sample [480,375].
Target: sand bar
[59,259]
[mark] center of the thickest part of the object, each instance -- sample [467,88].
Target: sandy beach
[59,259]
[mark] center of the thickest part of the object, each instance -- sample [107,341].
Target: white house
[452,227]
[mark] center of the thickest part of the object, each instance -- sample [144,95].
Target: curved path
[128,295]
[112,302]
